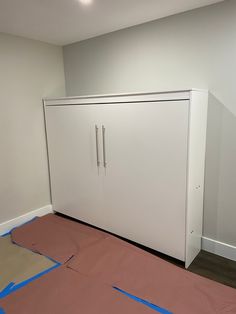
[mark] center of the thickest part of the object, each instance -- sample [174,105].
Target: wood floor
[215,267]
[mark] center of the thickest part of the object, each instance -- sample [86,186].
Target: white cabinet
[132,165]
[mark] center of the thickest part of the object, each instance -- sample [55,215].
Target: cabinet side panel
[196,169]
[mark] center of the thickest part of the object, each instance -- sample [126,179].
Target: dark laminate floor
[215,267]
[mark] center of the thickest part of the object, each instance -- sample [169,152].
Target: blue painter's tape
[51,259]
[6,289]
[1,311]
[25,223]
[152,306]
[13,287]
[9,233]
[5,235]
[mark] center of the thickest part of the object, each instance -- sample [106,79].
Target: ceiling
[65,21]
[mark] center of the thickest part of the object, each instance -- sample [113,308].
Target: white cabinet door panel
[76,186]
[144,184]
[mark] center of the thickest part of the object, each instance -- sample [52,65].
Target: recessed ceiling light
[86,2]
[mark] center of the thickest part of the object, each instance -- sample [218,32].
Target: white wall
[29,70]
[193,49]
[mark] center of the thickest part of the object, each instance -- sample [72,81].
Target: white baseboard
[10,224]
[219,248]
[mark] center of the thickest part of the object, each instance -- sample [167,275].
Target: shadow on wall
[220,177]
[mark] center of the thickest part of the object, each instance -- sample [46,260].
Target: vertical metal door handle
[104,146]
[97,148]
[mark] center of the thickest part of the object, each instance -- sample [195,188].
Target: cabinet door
[144,183]
[75,181]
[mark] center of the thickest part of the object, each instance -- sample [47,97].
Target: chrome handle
[104,146]
[97,147]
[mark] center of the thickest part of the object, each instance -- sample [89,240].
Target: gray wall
[29,70]
[193,49]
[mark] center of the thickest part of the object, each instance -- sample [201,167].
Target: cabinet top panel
[123,98]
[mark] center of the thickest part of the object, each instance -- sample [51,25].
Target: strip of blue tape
[9,233]
[152,306]
[25,223]
[1,311]
[13,287]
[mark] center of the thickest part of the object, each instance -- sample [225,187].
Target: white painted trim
[219,248]
[10,224]
[187,90]
[120,98]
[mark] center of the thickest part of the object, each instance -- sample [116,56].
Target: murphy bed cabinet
[132,165]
